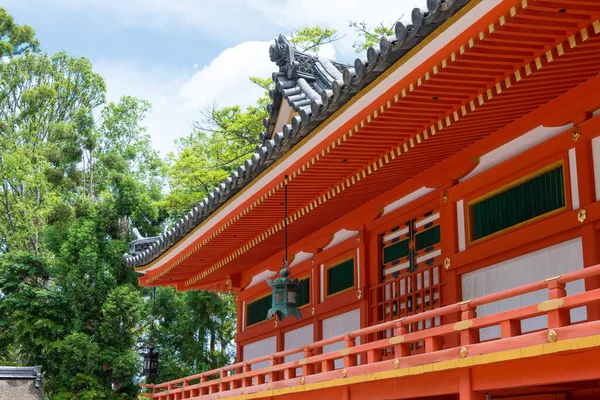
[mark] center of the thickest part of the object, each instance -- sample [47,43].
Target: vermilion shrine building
[443,216]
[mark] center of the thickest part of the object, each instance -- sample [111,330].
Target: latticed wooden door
[410,272]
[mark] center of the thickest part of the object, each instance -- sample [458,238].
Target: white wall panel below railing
[339,325]
[258,349]
[528,268]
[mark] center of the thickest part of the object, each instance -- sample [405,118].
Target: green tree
[44,102]
[15,39]
[219,143]
[312,38]
[367,36]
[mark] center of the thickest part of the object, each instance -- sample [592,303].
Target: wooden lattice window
[411,245]
[524,200]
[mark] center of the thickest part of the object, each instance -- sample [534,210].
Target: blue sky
[182,55]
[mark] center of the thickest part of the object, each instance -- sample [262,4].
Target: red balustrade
[318,366]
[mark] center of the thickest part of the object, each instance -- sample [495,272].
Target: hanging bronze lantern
[283,303]
[151,357]
[284,296]
[150,363]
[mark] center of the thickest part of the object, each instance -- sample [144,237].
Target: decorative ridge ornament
[285,288]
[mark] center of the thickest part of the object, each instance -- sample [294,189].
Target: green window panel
[303,295]
[427,238]
[340,277]
[528,200]
[257,310]
[395,251]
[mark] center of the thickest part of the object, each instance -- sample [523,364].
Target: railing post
[467,335]
[401,349]
[246,381]
[186,392]
[349,359]
[203,389]
[307,368]
[170,396]
[273,375]
[557,316]
[222,385]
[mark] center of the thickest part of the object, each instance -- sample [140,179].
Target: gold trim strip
[463,325]
[550,305]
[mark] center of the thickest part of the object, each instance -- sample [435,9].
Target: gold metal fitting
[275,324]
[358,238]
[359,294]
[582,215]
[312,261]
[463,352]
[268,386]
[552,336]
[396,363]
[576,134]
[312,311]
[344,373]
[445,197]
[447,263]
[302,380]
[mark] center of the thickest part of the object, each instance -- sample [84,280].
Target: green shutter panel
[527,200]
[340,277]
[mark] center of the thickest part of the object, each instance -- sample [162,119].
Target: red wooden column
[587,195]
[465,387]
[450,292]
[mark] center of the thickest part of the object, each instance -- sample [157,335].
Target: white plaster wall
[339,325]
[297,338]
[260,348]
[528,268]
[515,147]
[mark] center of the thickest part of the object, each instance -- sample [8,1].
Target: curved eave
[355,80]
[380,123]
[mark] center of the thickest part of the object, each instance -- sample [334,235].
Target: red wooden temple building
[443,216]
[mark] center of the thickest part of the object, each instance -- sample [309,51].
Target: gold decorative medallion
[358,238]
[344,373]
[396,363]
[447,263]
[582,215]
[302,380]
[463,352]
[312,311]
[445,197]
[552,336]
[359,294]
[275,323]
[576,134]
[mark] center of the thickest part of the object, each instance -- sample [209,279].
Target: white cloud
[177,95]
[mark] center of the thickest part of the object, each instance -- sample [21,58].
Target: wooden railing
[317,366]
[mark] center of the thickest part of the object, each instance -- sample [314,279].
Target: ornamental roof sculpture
[315,88]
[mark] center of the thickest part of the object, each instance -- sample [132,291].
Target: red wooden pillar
[465,387]
[450,291]
[587,195]
[558,317]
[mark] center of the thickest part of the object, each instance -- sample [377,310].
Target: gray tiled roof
[33,373]
[315,88]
